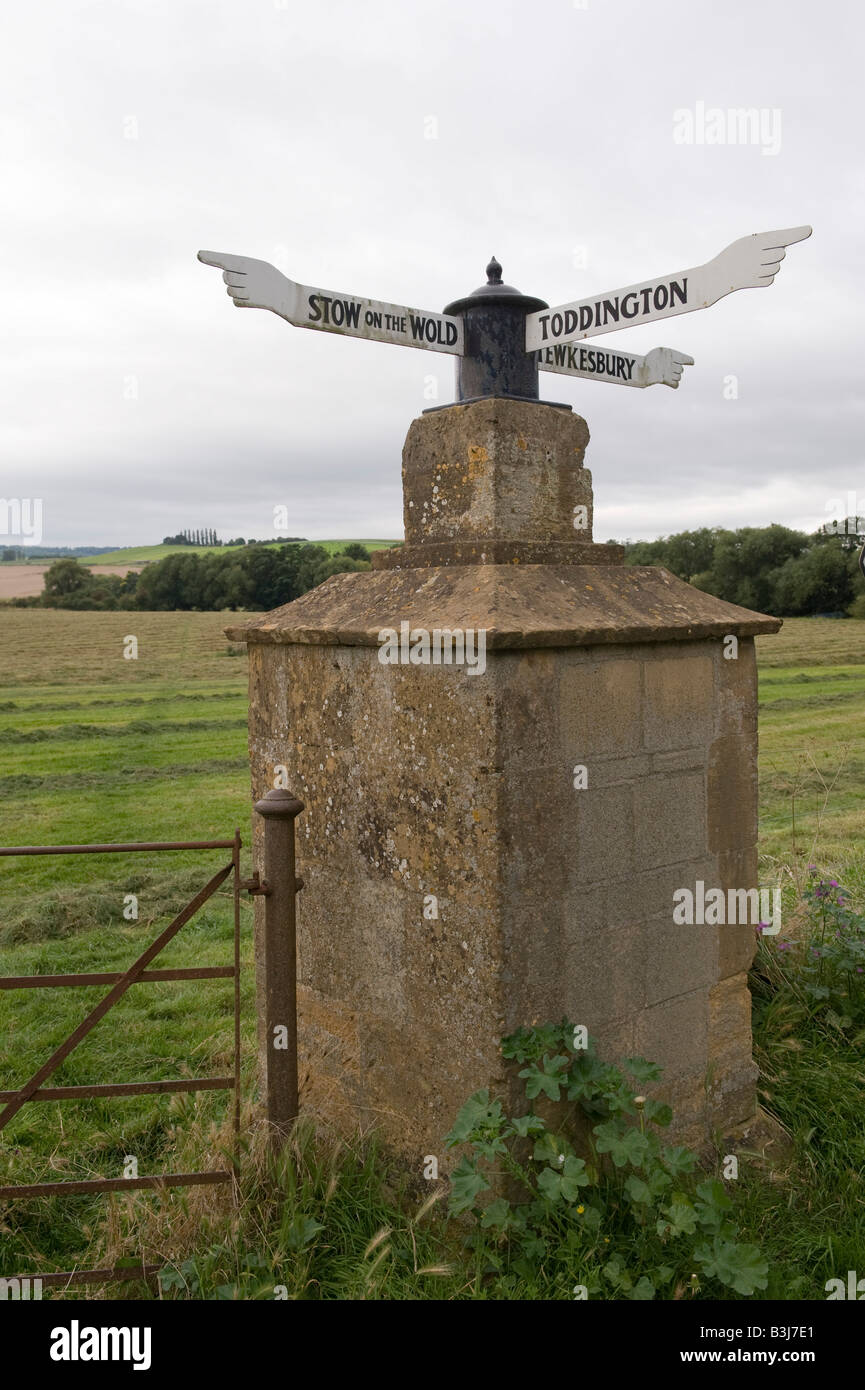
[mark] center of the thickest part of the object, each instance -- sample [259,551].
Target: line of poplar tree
[205,536]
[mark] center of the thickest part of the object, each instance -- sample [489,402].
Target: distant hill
[144,554]
[55,552]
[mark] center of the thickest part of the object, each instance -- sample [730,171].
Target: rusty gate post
[279,809]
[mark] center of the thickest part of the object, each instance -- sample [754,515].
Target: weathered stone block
[674,1033]
[729,1022]
[530,708]
[650,891]
[678,959]
[585,914]
[604,818]
[732,1073]
[679,700]
[670,815]
[601,706]
[497,469]
[604,976]
[537,831]
[679,760]
[532,945]
[737,943]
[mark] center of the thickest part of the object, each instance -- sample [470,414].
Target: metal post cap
[494,292]
[279,802]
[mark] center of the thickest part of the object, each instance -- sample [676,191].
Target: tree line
[256,579]
[772,569]
[768,568]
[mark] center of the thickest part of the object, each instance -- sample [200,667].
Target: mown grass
[50,648]
[812,764]
[96,748]
[142,554]
[804,642]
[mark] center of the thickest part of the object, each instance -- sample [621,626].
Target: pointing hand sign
[661,365]
[749,263]
[256,284]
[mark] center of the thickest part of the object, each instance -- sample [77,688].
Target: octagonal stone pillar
[459,880]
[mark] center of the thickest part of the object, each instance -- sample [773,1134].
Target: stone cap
[518,606]
[496,552]
[497,477]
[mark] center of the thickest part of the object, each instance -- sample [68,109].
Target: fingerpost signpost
[513,751]
[749,263]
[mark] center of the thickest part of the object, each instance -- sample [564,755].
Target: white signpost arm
[256,284]
[749,263]
[660,366]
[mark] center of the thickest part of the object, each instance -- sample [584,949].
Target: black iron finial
[494,272]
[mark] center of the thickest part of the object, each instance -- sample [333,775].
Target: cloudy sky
[387,149]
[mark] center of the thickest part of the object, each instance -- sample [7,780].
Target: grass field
[142,554]
[97,748]
[45,648]
[102,749]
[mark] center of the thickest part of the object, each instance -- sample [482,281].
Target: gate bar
[208,972]
[68,1189]
[9,850]
[127,1088]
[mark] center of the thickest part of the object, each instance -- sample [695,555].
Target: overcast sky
[136,400]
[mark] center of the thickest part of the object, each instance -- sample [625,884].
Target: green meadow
[97,748]
[143,554]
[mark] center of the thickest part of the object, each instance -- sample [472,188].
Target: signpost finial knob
[494,272]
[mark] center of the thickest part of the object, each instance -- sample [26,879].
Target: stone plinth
[510,489]
[458,884]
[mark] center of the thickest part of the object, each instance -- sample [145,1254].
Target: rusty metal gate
[35,1089]
[279,888]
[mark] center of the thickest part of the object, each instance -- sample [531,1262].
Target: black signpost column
[495,361]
